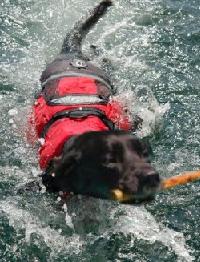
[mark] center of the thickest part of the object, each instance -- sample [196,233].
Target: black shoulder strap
[79,113]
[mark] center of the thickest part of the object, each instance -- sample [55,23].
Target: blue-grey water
[153,47]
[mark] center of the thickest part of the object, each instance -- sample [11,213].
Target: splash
[147,108]
[22,219]
[139,222]
[138,48]
[110,218]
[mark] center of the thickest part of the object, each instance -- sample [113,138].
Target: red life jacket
[72,106]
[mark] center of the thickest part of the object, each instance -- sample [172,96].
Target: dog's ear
[70,143]
[58,174]
[71,153]
[64,167]
[56,161]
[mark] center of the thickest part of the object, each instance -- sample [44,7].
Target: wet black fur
[97,162]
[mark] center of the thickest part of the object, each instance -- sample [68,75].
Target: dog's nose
[153,179]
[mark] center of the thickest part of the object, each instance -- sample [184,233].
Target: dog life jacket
[72,105]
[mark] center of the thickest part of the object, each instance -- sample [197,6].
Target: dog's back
[71,59]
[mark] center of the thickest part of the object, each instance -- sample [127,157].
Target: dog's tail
[73,40]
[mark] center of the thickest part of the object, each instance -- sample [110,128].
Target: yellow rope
[181,179]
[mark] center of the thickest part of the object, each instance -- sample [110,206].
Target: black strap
[77,114]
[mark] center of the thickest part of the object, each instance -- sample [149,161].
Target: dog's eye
[109,161]
[145,153]
[111,165]
[146,156]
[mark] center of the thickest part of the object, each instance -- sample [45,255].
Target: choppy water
[153,46]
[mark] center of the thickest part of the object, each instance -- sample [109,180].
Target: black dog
[96,163]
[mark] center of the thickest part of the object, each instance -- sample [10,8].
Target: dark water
[154,50]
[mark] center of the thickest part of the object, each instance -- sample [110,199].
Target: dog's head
[106,165]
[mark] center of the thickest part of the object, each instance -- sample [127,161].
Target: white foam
[24,73]
[150,111]
[127,219]
[19,218]
[139,222]
[13,112]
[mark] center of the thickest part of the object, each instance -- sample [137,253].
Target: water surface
[153,51]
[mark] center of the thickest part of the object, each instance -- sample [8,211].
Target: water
[153,52]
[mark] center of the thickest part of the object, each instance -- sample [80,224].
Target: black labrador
[107,164]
